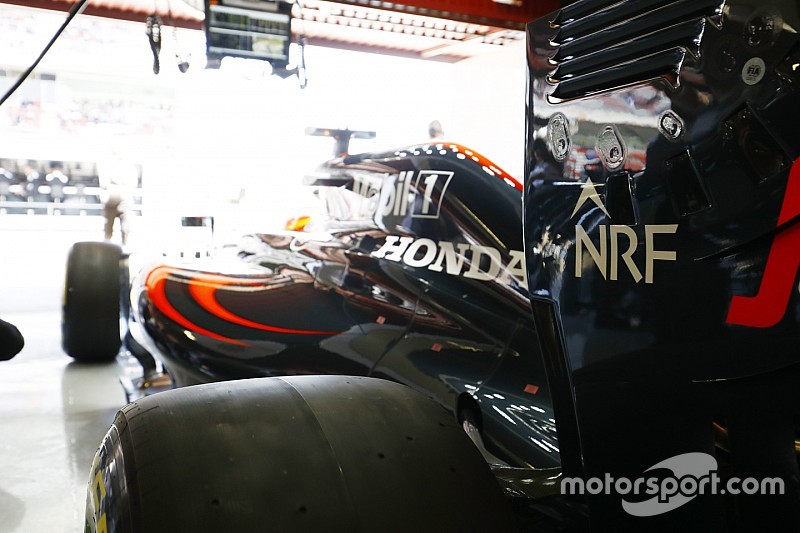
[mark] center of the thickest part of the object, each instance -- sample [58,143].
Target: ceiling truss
[441,30]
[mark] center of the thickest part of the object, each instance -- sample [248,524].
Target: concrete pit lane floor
[53,411]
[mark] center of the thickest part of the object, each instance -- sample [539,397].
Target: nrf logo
[617,244]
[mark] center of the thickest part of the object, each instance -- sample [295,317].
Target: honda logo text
[471,261]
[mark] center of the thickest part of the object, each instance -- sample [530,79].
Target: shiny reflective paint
[326,301]
[207,290]
[768,307]
[698,185]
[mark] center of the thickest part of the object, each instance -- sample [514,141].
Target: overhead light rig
[397,22]
[440,30]
[368,29]
[508,14]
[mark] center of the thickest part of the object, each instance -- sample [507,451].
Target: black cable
[153,31]
[183,64]
[74,11]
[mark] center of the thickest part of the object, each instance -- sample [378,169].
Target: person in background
[56,180]
[117,178]
[33,180]
[435,130]
[6,181]
[546,168]
[12,189]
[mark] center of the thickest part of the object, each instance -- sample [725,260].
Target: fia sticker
[753,71]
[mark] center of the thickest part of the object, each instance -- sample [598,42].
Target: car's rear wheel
[309,453]
[90,319]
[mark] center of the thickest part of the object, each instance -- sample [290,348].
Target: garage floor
[53,412]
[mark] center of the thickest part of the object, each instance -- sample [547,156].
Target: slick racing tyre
[90,318]
[303,453]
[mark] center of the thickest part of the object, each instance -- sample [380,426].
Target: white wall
[489,100]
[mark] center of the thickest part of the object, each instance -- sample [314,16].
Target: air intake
[603,45]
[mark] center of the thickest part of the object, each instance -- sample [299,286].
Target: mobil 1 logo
[427,206]
[411,194]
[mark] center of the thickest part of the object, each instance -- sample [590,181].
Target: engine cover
[662,235]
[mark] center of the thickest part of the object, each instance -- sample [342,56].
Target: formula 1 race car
[416,275]
[653,320]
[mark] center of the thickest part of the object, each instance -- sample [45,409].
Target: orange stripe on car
[484,162]
[156,288]
[205,293]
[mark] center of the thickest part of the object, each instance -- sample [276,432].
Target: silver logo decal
[611,148]
[671,125]
[559,137]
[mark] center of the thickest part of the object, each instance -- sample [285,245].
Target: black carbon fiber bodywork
[663,245]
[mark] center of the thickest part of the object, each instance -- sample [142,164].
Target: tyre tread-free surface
[309,453]
[90,320]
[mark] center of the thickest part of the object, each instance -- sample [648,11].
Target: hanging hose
[154,36]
